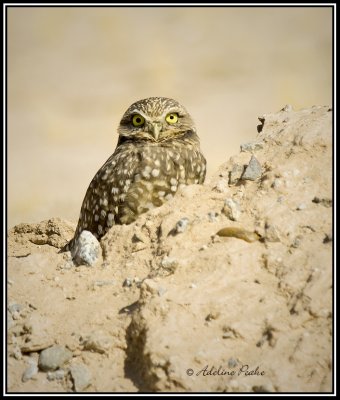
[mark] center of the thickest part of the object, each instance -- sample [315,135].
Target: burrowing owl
[157,152]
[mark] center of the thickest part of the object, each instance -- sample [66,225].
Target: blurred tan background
[72,72]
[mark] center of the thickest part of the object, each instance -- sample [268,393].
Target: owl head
[155,119]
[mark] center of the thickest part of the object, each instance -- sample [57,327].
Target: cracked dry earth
[174,306]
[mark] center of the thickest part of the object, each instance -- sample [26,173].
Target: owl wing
[107,191]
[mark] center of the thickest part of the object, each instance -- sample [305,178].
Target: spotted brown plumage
[158,151]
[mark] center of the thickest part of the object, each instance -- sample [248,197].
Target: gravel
[87,250]
[31,370]
[81,377]
[53,358]
[231,209]
[97,341]
[252,146]
[253,170]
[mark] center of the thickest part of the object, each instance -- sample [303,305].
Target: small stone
[16,353]
[271,233]
[56,375]
[31,370]
[235,174]
[181,225]
[204,247]
[67,265]
[81,377]
[297,241]
[231,209]
[253,170]
[53,358]
[212,216]
[87,249]
[192,286]
[221,186]
[301,206]
[252,146]
[149,287]
[98,341]
[127,282]
[277,183]
[15,315]
[169,263]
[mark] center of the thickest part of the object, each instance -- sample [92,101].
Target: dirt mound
[227,287]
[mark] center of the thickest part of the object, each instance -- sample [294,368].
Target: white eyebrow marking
[135,111]
[172,110]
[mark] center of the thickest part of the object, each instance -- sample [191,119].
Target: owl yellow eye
[171,118]
[138,120]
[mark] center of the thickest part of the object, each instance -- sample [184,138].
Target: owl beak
[156,128]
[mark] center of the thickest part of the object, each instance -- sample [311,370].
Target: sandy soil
[169,309]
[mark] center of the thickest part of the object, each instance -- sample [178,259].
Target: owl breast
[160,170]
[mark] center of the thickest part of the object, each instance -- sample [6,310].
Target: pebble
[16,353]
[301,206]
[169,263]
[272,234]
[81,377]
[31,370]
[53,358]
[231,209]
[87,249]
[127,282]
[97,341]
[252,146]
[212,216]
[253,170]
[16,315]
[181,225]
[297,241]
[235,174]
[56,375]
[277,183]
[221,186]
